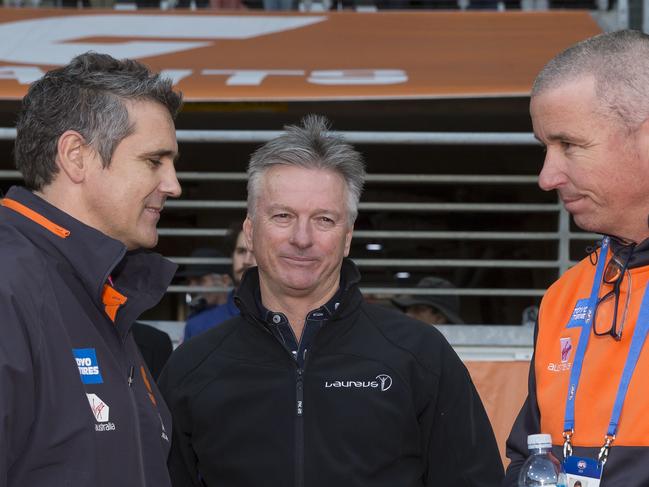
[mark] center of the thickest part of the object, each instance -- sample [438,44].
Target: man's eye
[326,220]
[565,145]
[155,162]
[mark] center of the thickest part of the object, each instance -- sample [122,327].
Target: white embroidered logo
[382,382]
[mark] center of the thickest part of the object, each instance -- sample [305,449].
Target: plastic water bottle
[541,468]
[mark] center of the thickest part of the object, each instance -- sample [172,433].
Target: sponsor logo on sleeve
[86,359]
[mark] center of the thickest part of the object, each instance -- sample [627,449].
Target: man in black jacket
[96,146]
[311,386]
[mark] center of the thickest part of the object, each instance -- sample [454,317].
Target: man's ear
[247,232]
[348,240]
[72,155]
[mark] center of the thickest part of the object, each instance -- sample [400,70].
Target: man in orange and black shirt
[96,146]
[588,380]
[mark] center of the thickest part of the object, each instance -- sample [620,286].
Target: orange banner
[503,388]
[285,57]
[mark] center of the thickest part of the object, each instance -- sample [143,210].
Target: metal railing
[353,137]
[563,236]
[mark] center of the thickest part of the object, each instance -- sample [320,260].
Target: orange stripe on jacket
[148,385]
[35,217]
[602,367]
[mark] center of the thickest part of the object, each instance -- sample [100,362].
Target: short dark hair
[617,61]
[87,95]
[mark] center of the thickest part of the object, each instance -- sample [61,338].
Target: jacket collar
[639,253]
[141,276]
[246,295]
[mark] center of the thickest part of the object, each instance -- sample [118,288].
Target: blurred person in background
[242,259]
[434,309]
[205,275]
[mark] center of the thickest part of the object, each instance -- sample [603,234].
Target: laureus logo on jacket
[381,381]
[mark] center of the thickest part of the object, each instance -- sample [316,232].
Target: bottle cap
[539,441]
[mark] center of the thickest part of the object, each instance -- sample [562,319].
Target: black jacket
[383,400]
[68,416]
[155,346]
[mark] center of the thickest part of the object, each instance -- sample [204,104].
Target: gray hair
[311,146]
[87,95]
[618,62]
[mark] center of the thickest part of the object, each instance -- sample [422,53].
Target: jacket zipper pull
[299,390]
[130,376]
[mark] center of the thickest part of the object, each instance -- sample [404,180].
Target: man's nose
[169,184]
[552,174]
[301,234]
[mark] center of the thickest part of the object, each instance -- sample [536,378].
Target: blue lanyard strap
[637,342]
[575,372]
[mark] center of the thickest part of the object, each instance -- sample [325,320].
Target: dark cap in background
[448,304]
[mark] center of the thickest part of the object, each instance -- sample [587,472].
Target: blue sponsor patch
[88,366]
[581,315]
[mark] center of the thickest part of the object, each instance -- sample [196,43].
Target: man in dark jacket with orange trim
[96,146]
[590,374]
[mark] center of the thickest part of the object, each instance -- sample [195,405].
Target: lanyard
[637,342]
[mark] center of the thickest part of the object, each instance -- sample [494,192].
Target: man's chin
[587,224]
[145,242]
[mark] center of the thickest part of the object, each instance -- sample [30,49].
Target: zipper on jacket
[136,421]
[138,429]
[299,428]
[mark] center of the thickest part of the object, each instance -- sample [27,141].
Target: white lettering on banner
[25,75]
[56,40]
[251,77]
[358,77]
[176,75]
[331,77]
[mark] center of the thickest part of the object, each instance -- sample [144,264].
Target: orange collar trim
[112,300]
[57,230]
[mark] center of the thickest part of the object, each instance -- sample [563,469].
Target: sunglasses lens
[613,271]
